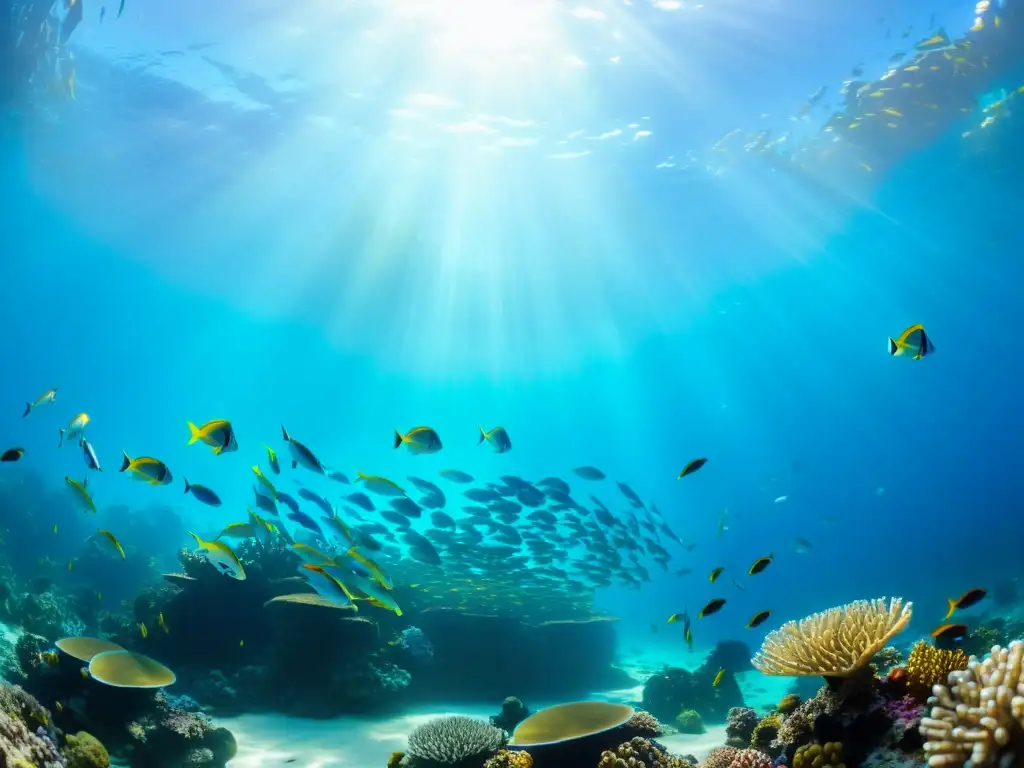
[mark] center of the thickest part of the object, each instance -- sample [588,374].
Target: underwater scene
[511,384]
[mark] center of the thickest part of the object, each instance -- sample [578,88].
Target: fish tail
[952,608]
[199,541]
[187,486]
[125,463]
[61,436]
[483,434]
[195,433]
[28,410]
[893,346]
[398,438]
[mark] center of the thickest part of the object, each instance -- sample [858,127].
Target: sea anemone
[835,643]
[453,739]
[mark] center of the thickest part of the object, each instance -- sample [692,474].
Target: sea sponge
[928,665]
[450,740]
[788,703]
[720,758]
[689,721]
[751,758]
[834,643]
[507,759]
[819,756]
[740,726]
[83,750]
[645,723]
[980,716]
[641,754]
[765,732]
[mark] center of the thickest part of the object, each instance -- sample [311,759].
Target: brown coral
[765,732]
[797,728]
[645,723]
[820,756]
[507,759]
[788,703]
[834,643]
[928,666]
[751,758]
[720,758]
[640,753]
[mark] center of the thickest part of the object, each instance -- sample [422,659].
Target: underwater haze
[630,234]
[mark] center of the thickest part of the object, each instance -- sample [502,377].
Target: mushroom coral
[928,665]
[835,643]
[979,716]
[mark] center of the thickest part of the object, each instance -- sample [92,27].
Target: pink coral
[904,711]
[751,758]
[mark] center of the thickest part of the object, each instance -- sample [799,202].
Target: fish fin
[952,608]
[28,410]
[295,464]
[483,434]
[61,437]
[127,462]
[199,541]
[218,450]
[284,434]
[893,346]
[187,486]
[196,433]
[398,438]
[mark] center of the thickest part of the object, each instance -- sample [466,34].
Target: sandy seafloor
[354,742]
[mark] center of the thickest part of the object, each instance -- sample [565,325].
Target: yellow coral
[820,756]
[928,666]
[833,643]
[765,731]
[788,703]
[510,759]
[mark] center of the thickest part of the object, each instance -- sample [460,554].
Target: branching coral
[980,716]
[819,756]
[640,752]
[834,643]
[510,759]
[927,666]
[450,740]
[645,723]
[765,732]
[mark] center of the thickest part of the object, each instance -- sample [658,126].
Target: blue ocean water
[349,219]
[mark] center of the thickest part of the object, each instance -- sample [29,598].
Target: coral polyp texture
[751,758]
[450,740]
[819,756]
[928,666]
[639,752]
[507,759]
[979,716]
[720,758]
[834,643]
[645,723]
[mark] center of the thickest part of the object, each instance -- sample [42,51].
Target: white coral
[981,714]
[450,740]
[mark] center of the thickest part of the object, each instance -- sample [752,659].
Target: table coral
[979,716]
[927,666]
[834,643]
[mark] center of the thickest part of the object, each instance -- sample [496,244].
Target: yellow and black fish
[714,606]
[966,600]
[691,467]
[759,619]
[914,343]
[760,564]
[12,454]
[715,573]
[950,632]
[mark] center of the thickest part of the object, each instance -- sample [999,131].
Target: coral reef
[720,758]
[887,658]
[740,726]
[765,733]
[835,643]
[639,752]
[751,758]
[83,750]
[509,759]
[689,721]
[513,712]
[820,756]
[645,724]
[927,665]
[452,740]
[414,642]
[788,703]
[980,715]
[672,690]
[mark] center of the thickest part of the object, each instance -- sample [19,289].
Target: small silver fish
[91,461]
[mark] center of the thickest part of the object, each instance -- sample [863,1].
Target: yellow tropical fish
[221,557]
[49,396]
[147,469]
[378,573]
[162,624]
[275,465]
[75,428]
[218,434]
[264,481]
[143,630]
[58,706]
[80,492]
[110,540]
[718,677]
[71,563]
[419,440]
[914,343]
[380,485]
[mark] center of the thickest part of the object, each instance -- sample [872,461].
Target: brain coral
[450,740]
[980,716]
[928,665]
[833,643]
